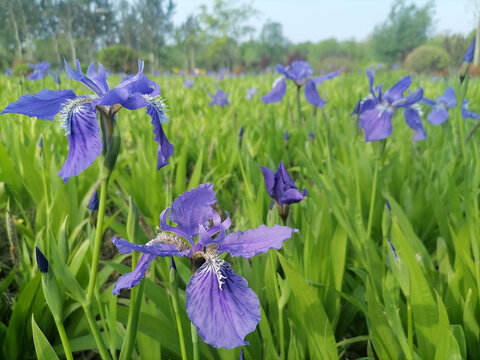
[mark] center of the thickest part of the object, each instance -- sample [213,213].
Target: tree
[406,28]
[272,41]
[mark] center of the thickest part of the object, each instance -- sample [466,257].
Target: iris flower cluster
[442,105]
[219,302]
[300,73]
[78,113]
[375,112]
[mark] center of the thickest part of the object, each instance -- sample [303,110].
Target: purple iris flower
[219,302]
[439,113]
[311,135]
[376,110]
[78,113]
[8,72]
[220,98]
[281,187]
[188,83]
[250,93]
[300,72]
[39,70]
[467,113]
[468,58]
[286,136]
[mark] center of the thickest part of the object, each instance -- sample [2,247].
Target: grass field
[336,289]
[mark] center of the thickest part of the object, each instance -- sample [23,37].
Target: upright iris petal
[439,113]
[468,58]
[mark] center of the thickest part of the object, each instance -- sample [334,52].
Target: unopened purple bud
[388,205]
[393,249]
[93,203]
[285,136]
[311,135]
[468,58]
[40,142]
[240,133]
[172,264]
[242,355]
[42,261]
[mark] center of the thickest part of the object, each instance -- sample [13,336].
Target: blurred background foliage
[211,38]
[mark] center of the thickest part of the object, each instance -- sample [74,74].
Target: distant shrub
[427,58]
[21,69]
[119,58]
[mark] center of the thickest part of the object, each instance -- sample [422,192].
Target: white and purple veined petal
[221,305]
[83,134]
[277,93]
[467,113]
[44,105]
[156,109]
[255,241]
[312,96]
[412,118]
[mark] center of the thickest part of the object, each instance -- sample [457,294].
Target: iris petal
[312,96]
[83,136]
[129,280]
[221,305]
[277,93]
[377,124]
[44,105]
[437,116]
[412,118]
[256,241]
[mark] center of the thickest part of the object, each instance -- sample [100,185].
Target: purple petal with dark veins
[165,149]
[255,241]
[377,124]
[222,315]
[44,105]
[84,141]
[98,77]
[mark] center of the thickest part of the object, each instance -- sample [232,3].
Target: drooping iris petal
[467,113]
[269,179]
[291,196]
[448,98]
[83,134]
[129,280]
[98,77]
[44,105]
[395,93]
[428,101]
[255,241]
[193,208]
[221,305]
[277,93]
[377,124]
[312,96]
[318,80]
[281,69]
[94,202]
[368,104]
[438,115]
[412,118]
[156,110]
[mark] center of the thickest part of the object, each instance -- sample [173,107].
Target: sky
[316,20]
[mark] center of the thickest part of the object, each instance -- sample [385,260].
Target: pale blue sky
[315,20]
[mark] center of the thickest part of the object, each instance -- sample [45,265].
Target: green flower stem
[281,331]
[299,107]
[410,325]
[98,238]
[87,307]
[372,200]
[64,339]
[193,330]
[174,291]
[136,297]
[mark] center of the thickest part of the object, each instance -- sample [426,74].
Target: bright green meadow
[335,290]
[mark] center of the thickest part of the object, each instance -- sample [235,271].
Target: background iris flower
[300,72]
[219,98]
[376,110]
[250,93]
[439,113]
[39,70]
[219,302]
[78,113]
[467,113]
